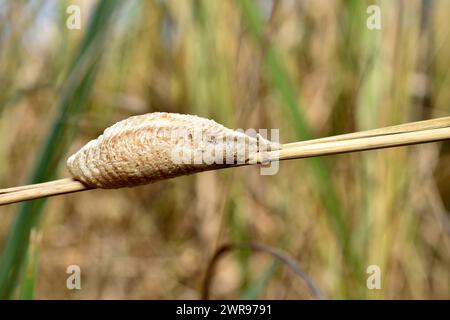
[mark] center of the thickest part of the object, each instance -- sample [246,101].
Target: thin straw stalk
[401,135]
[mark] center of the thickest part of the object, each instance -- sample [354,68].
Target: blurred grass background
[309,68]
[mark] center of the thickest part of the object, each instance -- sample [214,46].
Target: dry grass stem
[132,152]
[40,190]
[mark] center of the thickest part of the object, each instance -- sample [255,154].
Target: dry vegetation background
[309,68]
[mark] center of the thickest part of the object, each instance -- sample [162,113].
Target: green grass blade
[239,233]
[282,85]
[31,268]
[255,288]
[74,95]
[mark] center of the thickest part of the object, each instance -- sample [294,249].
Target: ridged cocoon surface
[140,150]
